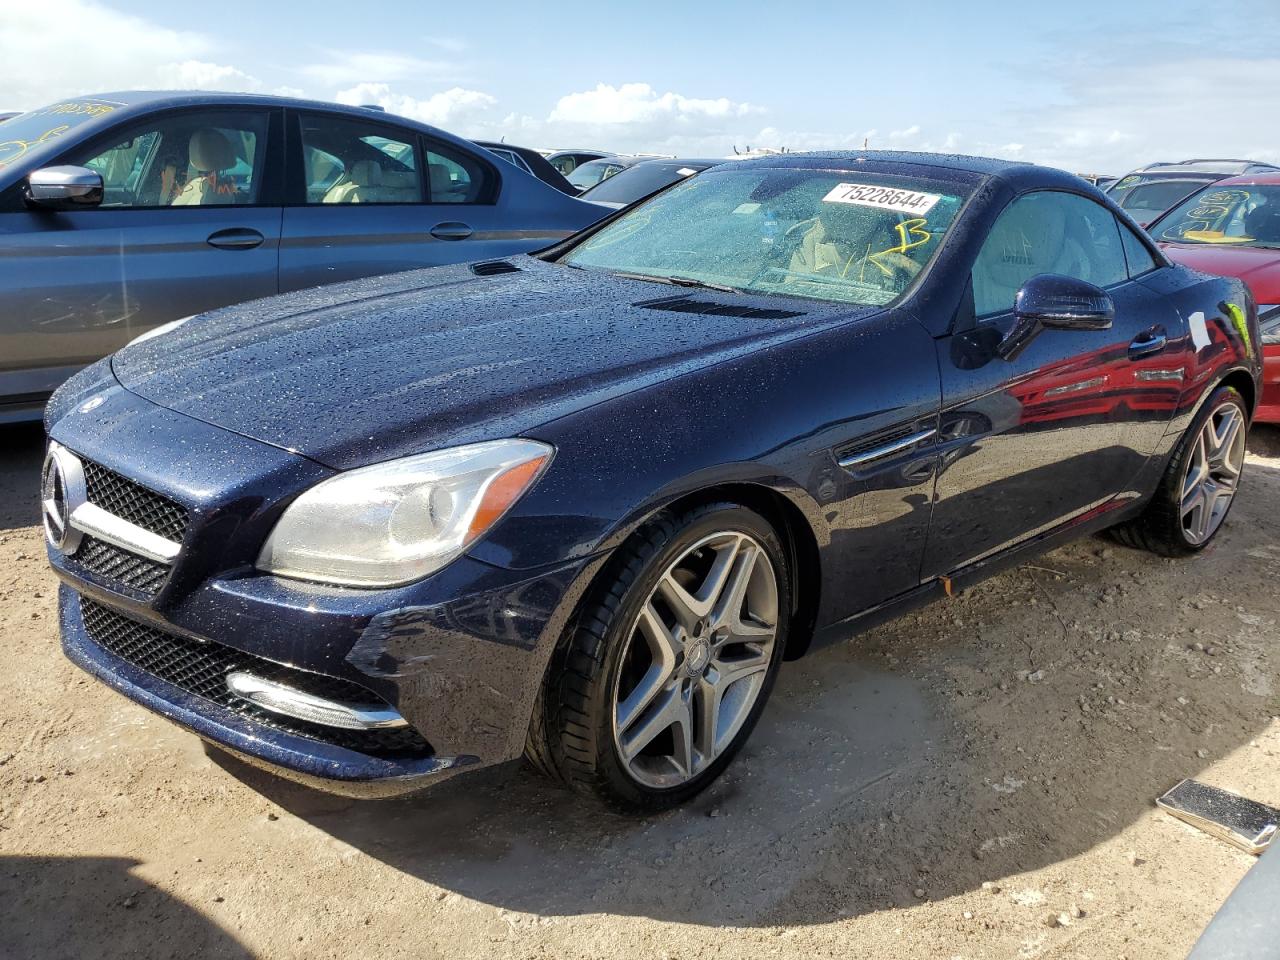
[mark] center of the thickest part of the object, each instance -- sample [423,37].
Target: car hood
[1258,267]
[374,369]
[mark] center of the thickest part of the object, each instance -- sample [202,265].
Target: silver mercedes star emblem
[61,491]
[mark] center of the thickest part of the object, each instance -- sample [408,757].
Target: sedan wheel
[1213,470]
[696,659]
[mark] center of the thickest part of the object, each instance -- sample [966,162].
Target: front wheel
[670,663]
[1199,484]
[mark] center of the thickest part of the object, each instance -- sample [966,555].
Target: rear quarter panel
[1219,336]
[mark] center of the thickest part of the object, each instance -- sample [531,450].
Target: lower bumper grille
[107,560]
[202,668]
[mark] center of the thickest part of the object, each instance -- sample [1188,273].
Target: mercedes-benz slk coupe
[583,504]
[122,212]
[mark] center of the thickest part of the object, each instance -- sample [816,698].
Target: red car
[1232,228]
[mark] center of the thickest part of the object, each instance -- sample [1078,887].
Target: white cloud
[343,67]
[198,75]
[59,48]
[639,103]
[444,109]
[1111,122]
[95,49]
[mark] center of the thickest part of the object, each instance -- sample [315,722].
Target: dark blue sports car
[584,504]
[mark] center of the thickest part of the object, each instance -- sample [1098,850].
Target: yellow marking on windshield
[11,150]
[906,231]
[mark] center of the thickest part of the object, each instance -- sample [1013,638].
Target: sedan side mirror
[64,188]
[1056,302]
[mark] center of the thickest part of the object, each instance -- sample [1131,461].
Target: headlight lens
[396,522]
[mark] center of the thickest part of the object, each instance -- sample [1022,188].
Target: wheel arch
[788,511]
[1242,381]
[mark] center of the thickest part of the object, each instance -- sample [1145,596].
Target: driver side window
[203,159]
[1046,232]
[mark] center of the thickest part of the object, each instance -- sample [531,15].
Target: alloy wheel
[696,659]
[1213,473]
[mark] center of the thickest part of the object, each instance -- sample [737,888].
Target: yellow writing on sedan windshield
[11,150]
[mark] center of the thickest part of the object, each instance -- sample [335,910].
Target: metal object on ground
[1220,813]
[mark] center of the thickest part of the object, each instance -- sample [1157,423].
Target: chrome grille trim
[91,519]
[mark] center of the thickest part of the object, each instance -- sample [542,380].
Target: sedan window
[852,238]
[347,161]
[456,177]
[188,160]
[1046,232]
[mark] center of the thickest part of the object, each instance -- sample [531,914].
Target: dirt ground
[976,781]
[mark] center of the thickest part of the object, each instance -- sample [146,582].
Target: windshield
[1146,199]
[589,174]
[631,184]
[27,130]
[1242,216]
[848,237]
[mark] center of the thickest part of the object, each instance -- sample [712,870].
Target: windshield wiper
[678,281]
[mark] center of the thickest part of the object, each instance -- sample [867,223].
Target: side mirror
[1051,301]
[64,188]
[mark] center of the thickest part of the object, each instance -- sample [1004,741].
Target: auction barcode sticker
[886,198]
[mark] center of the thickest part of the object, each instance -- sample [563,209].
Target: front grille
[134,502]
[202,668]
[107,560]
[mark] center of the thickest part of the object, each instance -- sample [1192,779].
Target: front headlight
[396,522]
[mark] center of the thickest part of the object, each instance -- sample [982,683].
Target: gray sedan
[124,211]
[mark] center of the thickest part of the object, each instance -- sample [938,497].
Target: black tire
[571,734]
[1159,528]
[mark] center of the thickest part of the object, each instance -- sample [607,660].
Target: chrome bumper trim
[285,700]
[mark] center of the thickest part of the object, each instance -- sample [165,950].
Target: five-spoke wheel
[696,659]
[671,660]
[1212,472]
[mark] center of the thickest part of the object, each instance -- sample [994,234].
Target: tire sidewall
[702,523]
[1178,467]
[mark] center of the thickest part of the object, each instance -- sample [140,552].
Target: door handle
[236,238]
[451,231]
[1147,343]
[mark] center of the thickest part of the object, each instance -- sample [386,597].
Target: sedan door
[369,197]
[1060,430]
[190,221]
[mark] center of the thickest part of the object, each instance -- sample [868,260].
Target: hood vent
[491,268]
[712,308]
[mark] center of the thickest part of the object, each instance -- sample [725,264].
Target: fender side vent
[491,268]
[711,308]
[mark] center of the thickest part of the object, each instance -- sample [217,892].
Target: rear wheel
[1199,484]
[670,663]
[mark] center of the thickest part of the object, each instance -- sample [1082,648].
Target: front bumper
[308,761]
[459,655]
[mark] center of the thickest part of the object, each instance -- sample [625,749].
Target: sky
[1091,86]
